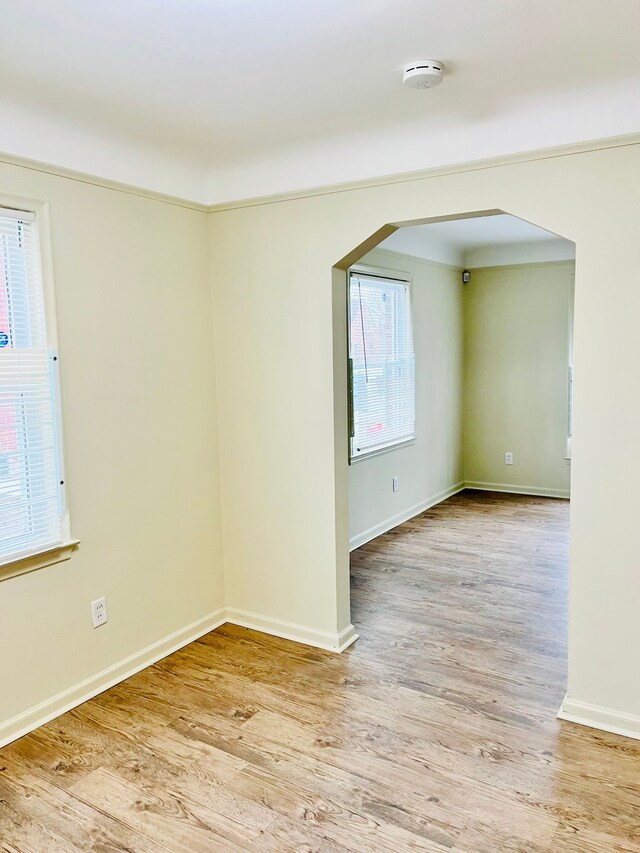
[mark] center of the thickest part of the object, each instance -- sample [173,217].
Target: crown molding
[568,262]
[453,169]
[330,189]
[95,180]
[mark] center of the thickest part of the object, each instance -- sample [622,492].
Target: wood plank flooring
[435,732]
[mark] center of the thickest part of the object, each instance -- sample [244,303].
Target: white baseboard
[597,717]
[534,491]
[62,702]
[384,527]
[53,707]
[292,631]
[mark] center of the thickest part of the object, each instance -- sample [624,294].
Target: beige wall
[432,466]
[515,332]
[515,377]
[137,374]
[283,469]
[137,363]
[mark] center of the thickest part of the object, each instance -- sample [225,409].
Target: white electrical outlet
[508,458]
[99,612]
[396,484]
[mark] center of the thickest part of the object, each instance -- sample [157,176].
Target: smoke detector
[423,75]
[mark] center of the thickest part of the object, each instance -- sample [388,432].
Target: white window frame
[394,276]
[27,561]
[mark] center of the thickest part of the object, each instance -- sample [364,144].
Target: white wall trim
[329,189]
[510,266]
[384,526]
[96,180]
[337,642]
[55,706]
[361,539]
[535,491]
[346,638]
[62,702]
[597,717]
[38,560]
[435,172]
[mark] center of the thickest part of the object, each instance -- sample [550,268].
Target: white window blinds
[31,495]
[382,363]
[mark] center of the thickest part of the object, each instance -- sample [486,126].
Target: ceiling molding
[398,178]
[95,180]
[567,262]
[439,171]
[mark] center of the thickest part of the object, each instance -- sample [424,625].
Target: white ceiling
[481,241]
[483,231]
[220,99]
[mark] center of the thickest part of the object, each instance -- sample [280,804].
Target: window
[381,363]
[32,506]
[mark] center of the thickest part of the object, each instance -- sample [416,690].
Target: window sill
[380,450]
[38,560]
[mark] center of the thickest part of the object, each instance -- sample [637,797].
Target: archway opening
[454,366]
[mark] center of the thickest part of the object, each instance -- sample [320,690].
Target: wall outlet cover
[99,612]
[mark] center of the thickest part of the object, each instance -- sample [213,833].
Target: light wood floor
[435,732]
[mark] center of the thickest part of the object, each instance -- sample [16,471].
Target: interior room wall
[431,468]
[284,471]
[529,252]
[138,384]
[139,388]
[516,334]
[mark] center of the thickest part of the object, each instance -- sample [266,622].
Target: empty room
[460,345]
[318,426]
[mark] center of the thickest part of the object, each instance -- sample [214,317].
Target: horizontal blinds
[383,363]
[30,498]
